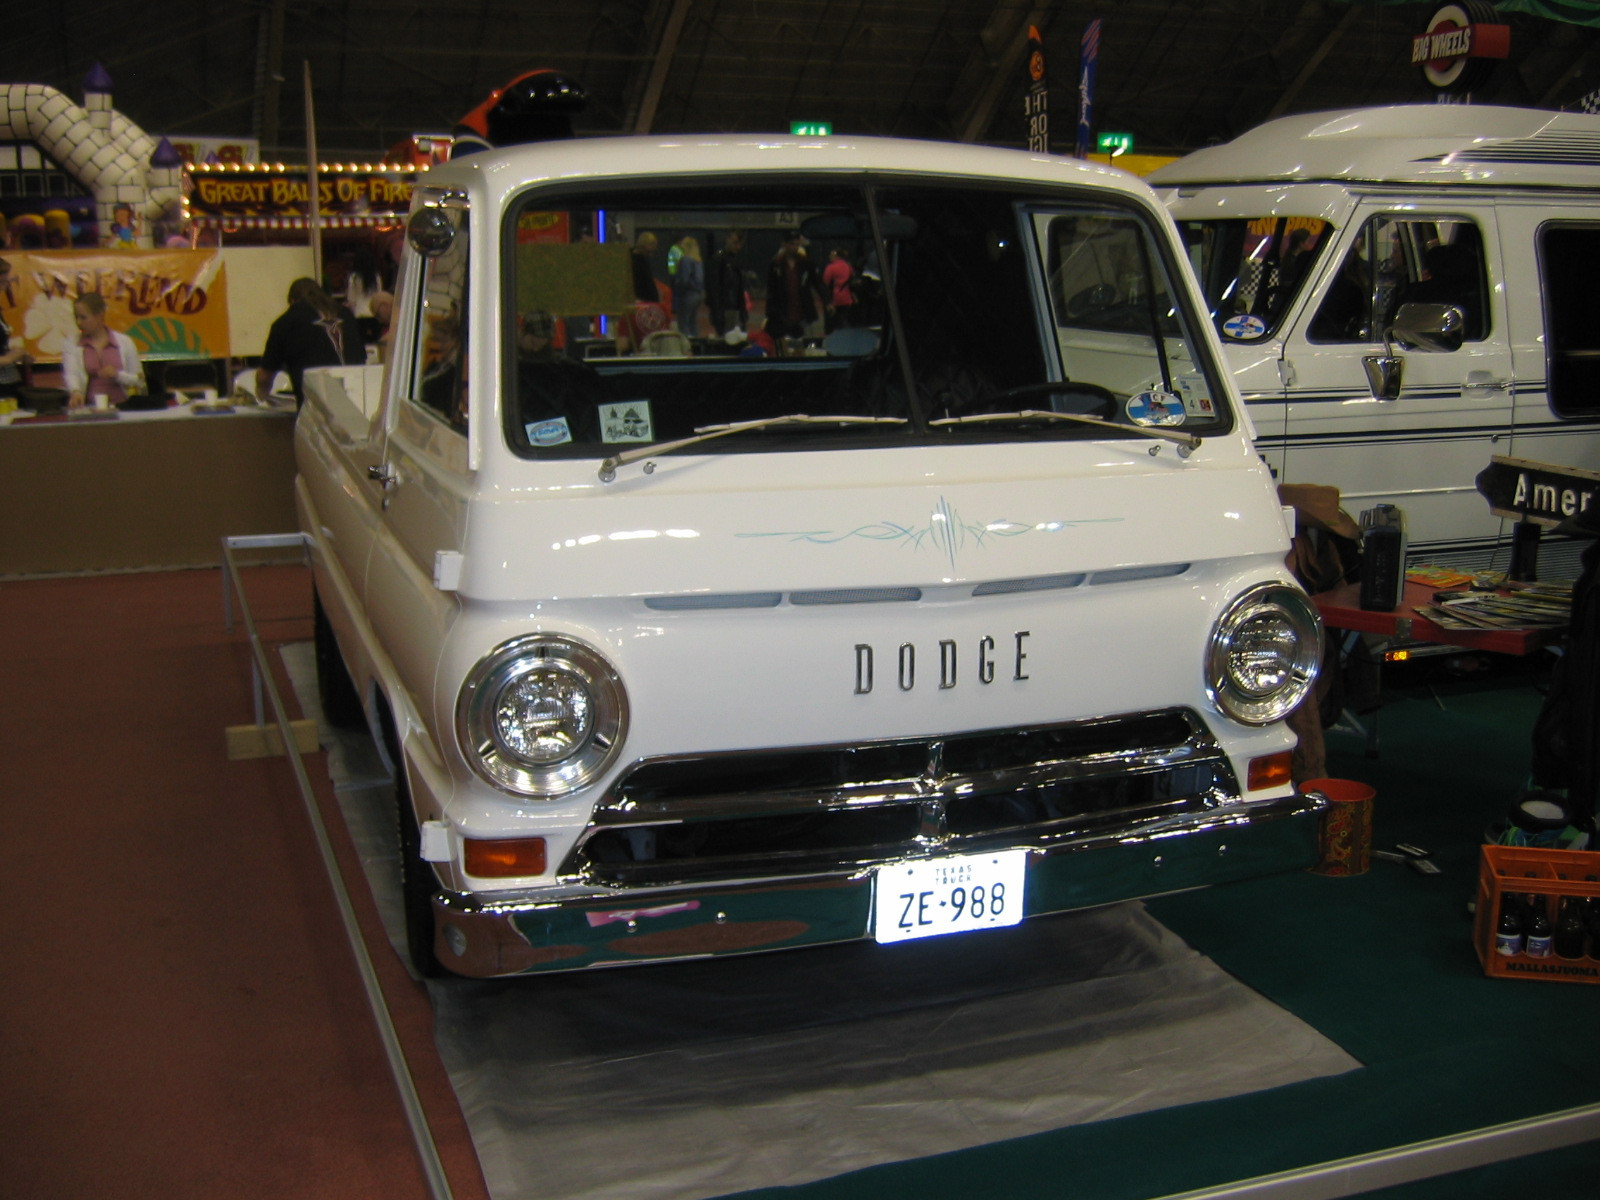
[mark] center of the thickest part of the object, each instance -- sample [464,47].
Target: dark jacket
[299,339]
[809,299]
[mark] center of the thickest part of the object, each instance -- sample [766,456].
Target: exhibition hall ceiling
[1175,74]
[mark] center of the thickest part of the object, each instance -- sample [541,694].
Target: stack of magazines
[1511,606]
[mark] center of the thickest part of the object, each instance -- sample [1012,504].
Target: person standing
[836,277]
[690,291]
[11,357]
[314,331]
[793,289]
[644,279]
[729,308]
[102,367]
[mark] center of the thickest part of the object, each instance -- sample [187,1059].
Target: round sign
[1446,52]
[1245,327]
[1447,27]
[1155,408]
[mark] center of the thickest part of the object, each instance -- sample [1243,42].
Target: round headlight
[1264,654]
[541,716]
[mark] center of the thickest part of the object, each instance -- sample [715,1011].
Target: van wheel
[417,883]
[341,703]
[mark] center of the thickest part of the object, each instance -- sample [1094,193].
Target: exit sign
[811,128]
[1114,143]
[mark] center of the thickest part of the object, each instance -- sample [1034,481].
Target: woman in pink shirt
[102,366]
[841,300]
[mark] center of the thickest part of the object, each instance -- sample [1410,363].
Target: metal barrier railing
[1420,1160]
[264,686]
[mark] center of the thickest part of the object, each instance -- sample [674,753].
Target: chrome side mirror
[430,231]
[1424,328]
[1429,328]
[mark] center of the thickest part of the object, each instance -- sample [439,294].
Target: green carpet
[1380,963]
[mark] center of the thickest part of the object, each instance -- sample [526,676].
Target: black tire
[341,703]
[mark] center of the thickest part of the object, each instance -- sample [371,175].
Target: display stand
[134,491]
[1340,608]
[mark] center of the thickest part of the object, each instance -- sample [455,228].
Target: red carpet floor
[180,1014]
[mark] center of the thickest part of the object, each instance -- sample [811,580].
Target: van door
[425,472]
[1423,449]
[1250,270]
[1555,343]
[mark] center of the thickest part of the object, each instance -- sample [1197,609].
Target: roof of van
[1413,143]
[504,171]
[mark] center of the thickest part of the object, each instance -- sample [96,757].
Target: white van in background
[1311,232]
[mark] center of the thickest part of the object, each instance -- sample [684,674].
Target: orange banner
[172,303]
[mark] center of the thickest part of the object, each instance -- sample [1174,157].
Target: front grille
[825,809]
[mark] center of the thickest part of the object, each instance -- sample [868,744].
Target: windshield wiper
[704,433]
[1187,442]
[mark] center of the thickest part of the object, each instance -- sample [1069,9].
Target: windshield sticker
[1197,405]
[1244,328]
[553,432]
[626,421]
[1155,408]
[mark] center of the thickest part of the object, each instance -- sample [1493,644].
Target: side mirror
[1424,328]
[430,231]
[1429,328]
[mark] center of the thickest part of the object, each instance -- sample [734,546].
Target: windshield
[1251,270]
[816,315]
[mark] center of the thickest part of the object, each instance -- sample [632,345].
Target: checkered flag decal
[1587,104]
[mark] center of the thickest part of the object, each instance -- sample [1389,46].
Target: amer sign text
[1537,492]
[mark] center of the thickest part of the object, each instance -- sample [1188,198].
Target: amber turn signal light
[1269,772]
[506,857]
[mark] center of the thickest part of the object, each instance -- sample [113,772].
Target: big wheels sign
[1459,50]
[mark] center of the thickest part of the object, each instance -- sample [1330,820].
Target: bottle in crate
[1571,930]
[1508,935]
[1540,932]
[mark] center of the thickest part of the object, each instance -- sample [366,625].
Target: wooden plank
[264,741]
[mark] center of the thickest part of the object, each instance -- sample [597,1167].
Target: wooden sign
[1539,492]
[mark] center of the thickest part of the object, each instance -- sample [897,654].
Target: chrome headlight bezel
[573,665]
[1273,602]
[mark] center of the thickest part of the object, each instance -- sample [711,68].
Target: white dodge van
[1310,234]
[733,607]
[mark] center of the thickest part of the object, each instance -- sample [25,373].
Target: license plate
[933,896]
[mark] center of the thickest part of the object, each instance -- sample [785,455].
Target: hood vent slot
[910,595]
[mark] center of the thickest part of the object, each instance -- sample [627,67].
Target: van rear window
[1567,253]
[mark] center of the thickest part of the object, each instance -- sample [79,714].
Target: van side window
[1252,271]
[1572,317]
[1432,260]
[439,366]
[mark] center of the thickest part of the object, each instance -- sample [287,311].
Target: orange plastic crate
[1547,873]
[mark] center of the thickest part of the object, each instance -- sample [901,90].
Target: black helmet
[533,107]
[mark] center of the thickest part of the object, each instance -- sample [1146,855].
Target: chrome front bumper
[483,937]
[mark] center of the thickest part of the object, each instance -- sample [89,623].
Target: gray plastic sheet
[692,1080]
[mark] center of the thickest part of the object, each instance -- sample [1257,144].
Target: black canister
[1383,558]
